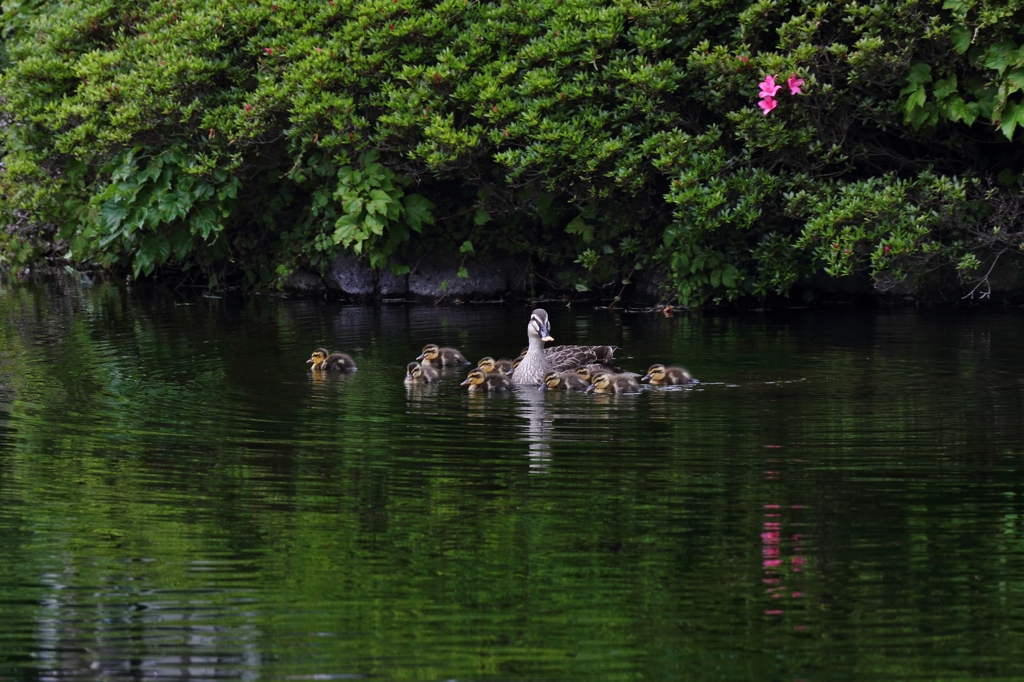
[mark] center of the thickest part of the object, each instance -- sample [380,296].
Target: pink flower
[794,84]
[768,104]
[743,59]
[768,88]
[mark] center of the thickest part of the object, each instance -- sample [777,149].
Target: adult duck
[537,361]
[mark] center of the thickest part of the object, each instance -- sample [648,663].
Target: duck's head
[584,372]
[474,378]
[551,380]
[654,373]
[413,371]
[539,325]
[602,382]
[486,364]
[317,358]
[430,352]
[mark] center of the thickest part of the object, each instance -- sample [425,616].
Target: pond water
[839,498]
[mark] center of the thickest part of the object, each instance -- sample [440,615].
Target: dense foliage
[240,141]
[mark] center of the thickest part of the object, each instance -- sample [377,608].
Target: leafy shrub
[598,138]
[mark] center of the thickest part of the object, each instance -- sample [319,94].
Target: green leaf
[1000,55]
[961,37]
[418,211]
[916,99]
[1009,120]
[945,87]
[1015,80]
[162,251]
[346,230]
[956,109]
[374,224]
[729,273]
[920,73]
[972,109]
[467,247]
[113,214]
[580,286]
[462,273]
[481,217]
[579,226]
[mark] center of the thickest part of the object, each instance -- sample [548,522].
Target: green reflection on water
[838,499]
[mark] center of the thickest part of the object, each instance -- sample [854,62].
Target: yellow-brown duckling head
[655,374]
[584,373]
[602,383]
[317,358]
[474,379]
[551,380]
[430,353]
[413,372]
[486,364]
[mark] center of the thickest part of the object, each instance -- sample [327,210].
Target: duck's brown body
[322,360]
[565,358]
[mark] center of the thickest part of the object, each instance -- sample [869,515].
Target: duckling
[490,365]
[660,375]
[613,383]
[415,373]
[477,380]
[441,357]
[564,381]
[322,360]
[588,371]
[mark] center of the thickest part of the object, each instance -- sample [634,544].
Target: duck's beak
[419,358]
[310,361]
[545,334]
[465,383]
[542,387]
[645,377]
[590,388]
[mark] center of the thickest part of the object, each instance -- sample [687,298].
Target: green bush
[598,138]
